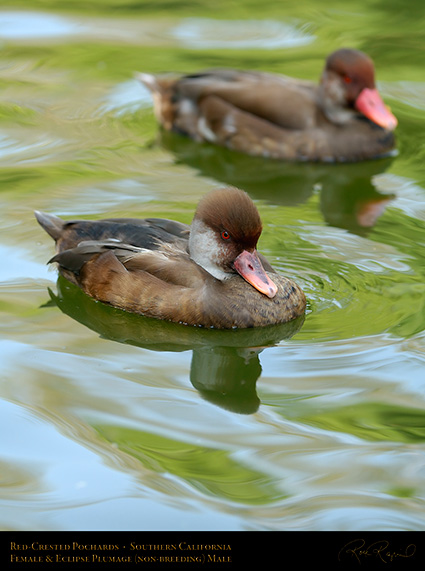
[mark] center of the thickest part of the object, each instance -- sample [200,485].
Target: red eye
[347,79]
[225,235]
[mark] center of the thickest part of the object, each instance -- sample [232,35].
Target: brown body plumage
[341,119]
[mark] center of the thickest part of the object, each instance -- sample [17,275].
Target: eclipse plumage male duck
[207,274]
[341,119]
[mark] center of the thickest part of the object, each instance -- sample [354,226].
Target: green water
[110,421]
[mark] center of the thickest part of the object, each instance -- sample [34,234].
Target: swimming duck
[207,274]
[341,119]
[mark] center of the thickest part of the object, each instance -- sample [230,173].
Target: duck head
[348,85]
[224,235]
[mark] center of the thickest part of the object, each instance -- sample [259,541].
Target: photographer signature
[358,549]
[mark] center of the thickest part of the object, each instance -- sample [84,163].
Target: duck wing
[146,233]
[163,283]
[278,99]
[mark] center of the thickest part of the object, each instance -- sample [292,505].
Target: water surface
[115,422]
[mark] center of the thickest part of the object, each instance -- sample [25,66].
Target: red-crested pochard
[341,119]
[207,274]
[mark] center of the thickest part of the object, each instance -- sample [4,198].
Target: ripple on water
[127,97]
[192,32]
[366,255]
[24,150]
[17,265]
[201,33]
[410,196]
[410,93]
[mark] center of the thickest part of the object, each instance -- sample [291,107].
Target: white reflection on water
[192,32]
[361,252]
[67,472]
[127,97]
[241,34]
[383,357]
[20,25]
[145,514]
[24,151]
[124,193]
[410,93]
[16,265]
[409,195]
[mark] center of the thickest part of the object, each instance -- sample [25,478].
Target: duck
[341,119]
[206,274]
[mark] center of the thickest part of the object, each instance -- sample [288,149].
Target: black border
[152,550]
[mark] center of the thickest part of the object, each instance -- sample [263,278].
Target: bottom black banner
[211,550]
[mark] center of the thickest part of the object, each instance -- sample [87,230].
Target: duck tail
[150,81]
[52,224]
[162,89]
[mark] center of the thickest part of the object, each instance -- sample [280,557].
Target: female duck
[341,119]
[207,274]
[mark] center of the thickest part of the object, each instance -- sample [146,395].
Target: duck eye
[225,235]
[347,79]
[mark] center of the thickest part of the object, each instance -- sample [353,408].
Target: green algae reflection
[210,471]
[374,422]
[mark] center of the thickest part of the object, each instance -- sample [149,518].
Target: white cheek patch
[206,250]
[336,91]
[334,103]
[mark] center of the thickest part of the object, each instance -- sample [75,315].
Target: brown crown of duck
[207,274]
[225,232]
[280,117]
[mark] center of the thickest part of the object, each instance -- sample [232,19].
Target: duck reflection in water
[347,193]
[225,364]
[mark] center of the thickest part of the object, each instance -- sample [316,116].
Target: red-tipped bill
[248,265]
[370,104]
